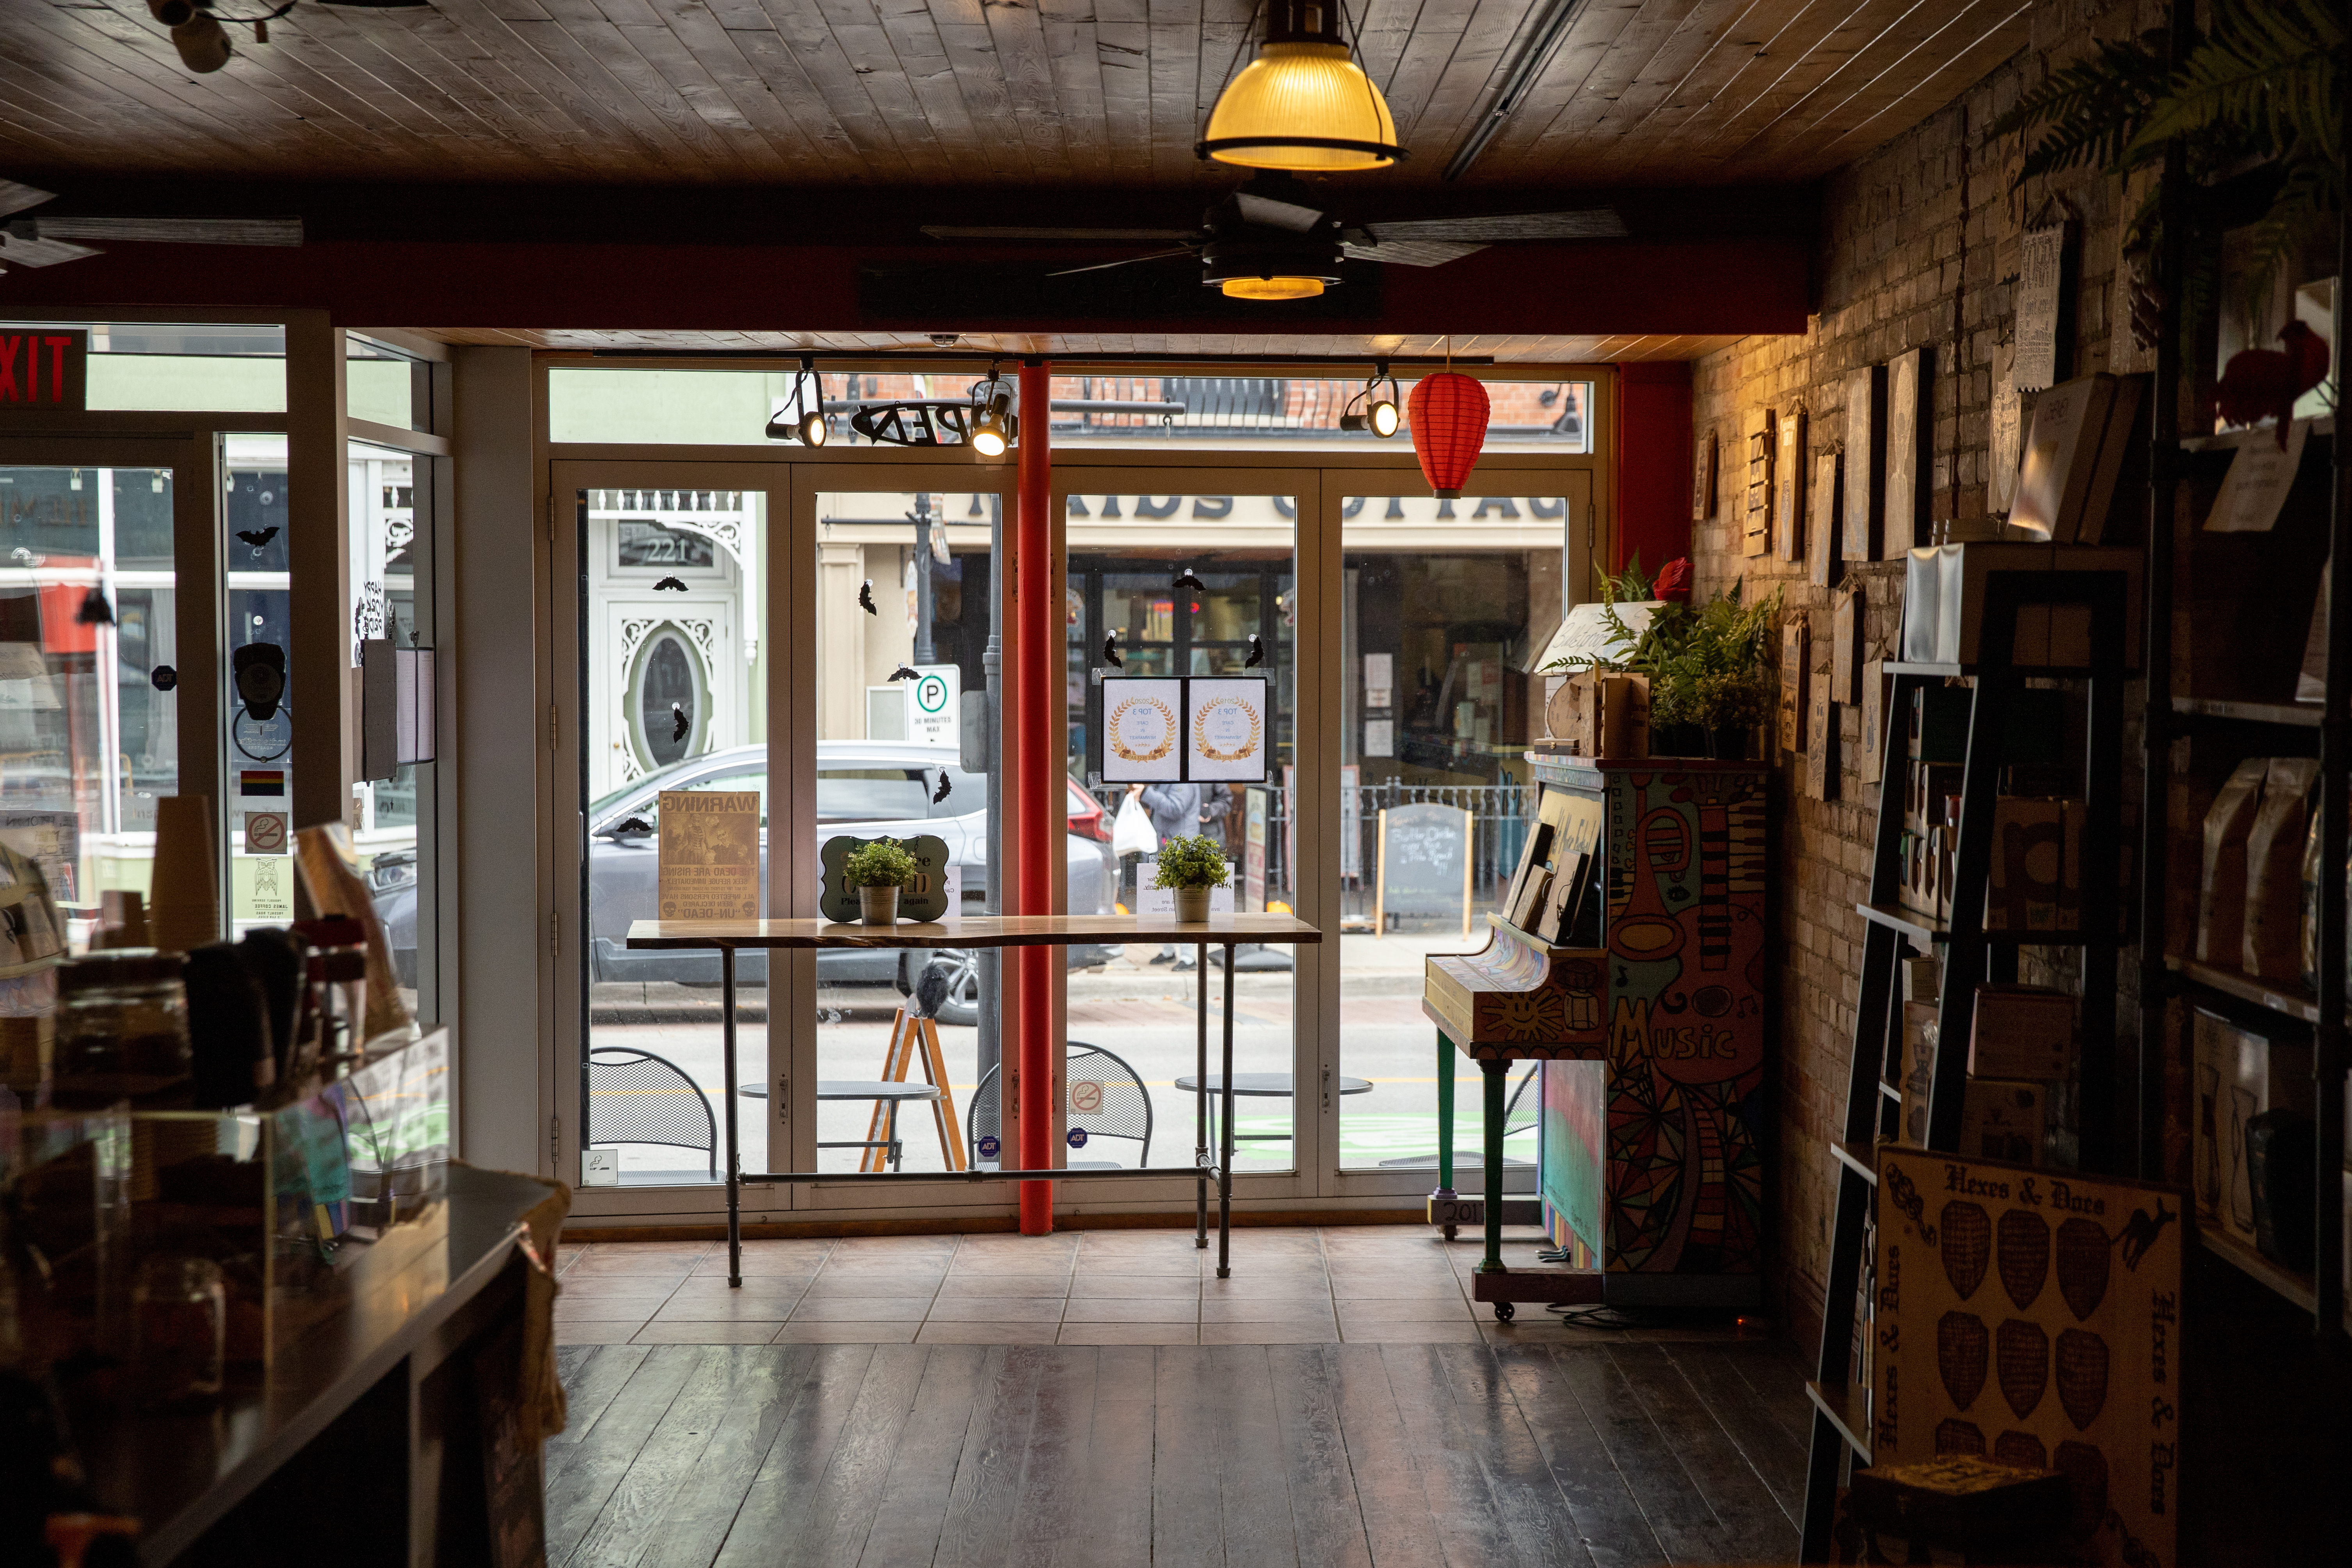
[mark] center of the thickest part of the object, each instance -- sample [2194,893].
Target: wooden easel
[908,1032]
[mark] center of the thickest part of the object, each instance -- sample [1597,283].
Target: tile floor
[1381,1284]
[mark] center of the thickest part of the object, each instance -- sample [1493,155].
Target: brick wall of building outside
[1919,245]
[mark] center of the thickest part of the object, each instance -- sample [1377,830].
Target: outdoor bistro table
[971,932]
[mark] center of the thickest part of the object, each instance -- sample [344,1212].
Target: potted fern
[1191,866]
[1711,681]
[877,870]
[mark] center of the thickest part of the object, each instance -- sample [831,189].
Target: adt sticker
[1077,1138]
[990,1147]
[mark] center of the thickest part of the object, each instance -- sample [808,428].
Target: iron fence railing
[1499,816]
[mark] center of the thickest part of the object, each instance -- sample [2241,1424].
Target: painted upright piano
[1627,958]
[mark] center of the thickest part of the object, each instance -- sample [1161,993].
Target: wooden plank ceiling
[1026,93]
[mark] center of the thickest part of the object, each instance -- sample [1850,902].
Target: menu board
[710,857]
[1202,729]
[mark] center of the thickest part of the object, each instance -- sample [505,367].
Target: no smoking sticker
[1085,1097]
[265,832]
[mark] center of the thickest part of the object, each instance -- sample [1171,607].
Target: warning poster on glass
[710,855]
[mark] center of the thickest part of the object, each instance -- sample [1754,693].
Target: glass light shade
[1272,288]
[1302,106]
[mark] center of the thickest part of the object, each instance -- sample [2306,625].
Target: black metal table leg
[1225,1160]
[890,1131]
[734,1160]
[1200,1096]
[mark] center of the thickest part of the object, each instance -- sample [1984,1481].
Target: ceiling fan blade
[1594,223]
[16,198]
[22,249]
[275,231]
[1412,252]
[1095,235]
[1268,212]
[1128,261]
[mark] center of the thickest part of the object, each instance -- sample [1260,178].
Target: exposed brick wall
[1919,244]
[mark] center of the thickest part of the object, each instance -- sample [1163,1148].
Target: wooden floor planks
[1621,1455]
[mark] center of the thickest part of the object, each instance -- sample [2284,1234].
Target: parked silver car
[867,788]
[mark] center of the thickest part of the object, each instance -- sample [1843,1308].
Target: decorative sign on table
[1866,476]
[1789,488]
[2033,1316]
[2041,309]
[1199,728]
[936,892]
[1160,903]
[709,861]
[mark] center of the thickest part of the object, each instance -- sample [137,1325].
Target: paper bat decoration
[945,785]
[678,722]
[95,611]
[1184,579]
[1111,652]
[1257,652]
[671,584]
[866,597]
[903,673]
[256,537]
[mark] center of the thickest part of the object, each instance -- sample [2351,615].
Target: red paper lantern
[1449,428]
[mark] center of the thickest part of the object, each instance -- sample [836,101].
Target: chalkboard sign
[1425,863]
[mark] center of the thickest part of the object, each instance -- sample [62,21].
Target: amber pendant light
[1303,104]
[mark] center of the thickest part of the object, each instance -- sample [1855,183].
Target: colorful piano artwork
[1643,993]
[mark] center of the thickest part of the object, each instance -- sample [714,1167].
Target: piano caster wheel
[1505,1312]
[1449,1233]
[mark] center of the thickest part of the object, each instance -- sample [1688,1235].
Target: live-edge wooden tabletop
[975,930]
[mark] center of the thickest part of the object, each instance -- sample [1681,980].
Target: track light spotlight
[807,426]
[995,426]
[1373,409]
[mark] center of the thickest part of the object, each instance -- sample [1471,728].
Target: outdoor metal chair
[636,1096]
[1471,1159]
[1102,1096]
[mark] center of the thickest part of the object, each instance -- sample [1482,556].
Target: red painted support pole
[1038,656]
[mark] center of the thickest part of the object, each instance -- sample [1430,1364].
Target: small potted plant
[1191,866]
[877,870]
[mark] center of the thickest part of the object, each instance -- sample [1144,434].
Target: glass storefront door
[89,647]
[670,563]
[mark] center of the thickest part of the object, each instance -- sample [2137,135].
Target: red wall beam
[1033,760]
[1653,464]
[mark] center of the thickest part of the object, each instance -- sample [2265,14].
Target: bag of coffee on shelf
[2221,892]
[2272,944]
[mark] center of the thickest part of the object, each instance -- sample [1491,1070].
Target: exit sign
[44,367]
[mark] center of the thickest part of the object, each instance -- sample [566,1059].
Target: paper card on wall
[1227,732]
[1872,739]
[1821,743]
[1143,730]
[2007,442]
[2033,1316]
[1821,519]
[1846,646]
[1702,476]
[708,865]
[1380,737]
[1755,526]
[1794,674]
[2040,302]
[1866,479]
[1161,901]
[2258,481]
[1789,488]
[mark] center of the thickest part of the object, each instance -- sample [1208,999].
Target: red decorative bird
[2264,383]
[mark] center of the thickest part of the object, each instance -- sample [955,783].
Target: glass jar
[122,1032]
[179,1311]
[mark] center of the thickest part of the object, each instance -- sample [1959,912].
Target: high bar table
[729,937]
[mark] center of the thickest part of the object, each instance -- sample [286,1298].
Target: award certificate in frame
[1225,729]
[1143,730]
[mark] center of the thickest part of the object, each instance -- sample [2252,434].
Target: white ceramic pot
[1193,905]
[878,906]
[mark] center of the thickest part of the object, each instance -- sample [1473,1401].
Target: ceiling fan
[47,241]
[1269,240]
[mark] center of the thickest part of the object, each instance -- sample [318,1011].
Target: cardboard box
[2271,943]
[1944,597]
[1601,714]
[2002,1119]
[2236,1075]
[2027,880]
[2023,1032]
[1923,979]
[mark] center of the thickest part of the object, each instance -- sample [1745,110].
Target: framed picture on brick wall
[1910,451]
[1793,672]
[1865,472]
[1789,487]
[1755,525]
[1821,550]
[1702,476]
